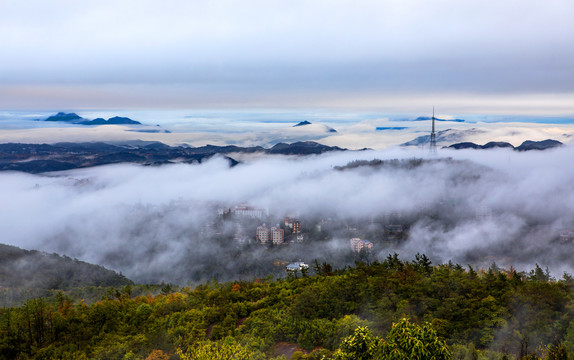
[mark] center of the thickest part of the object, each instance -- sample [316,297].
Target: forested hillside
[29,273]
[490,314]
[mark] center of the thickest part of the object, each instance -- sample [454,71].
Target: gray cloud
[263,52]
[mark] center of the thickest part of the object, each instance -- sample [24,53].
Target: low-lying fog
[161,223]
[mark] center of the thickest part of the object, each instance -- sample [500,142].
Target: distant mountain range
[39,158]
[525,146]
[456,140]
[74,118]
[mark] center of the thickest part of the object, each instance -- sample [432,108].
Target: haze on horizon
[464,57]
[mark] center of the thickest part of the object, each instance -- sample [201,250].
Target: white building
[249,211]
[297,266]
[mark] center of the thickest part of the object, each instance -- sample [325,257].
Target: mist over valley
[176,222]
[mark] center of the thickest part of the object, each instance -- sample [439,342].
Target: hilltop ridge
[39,158]
[74,118]
[525,146]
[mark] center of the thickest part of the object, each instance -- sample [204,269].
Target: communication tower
[433,136]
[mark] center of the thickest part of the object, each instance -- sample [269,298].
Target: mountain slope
[21,268]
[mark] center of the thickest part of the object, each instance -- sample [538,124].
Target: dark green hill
[32,269]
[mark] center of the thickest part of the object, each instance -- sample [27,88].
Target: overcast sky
[473,56]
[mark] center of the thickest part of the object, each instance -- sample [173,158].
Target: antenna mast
[433,136]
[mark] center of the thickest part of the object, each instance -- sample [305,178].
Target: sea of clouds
[471,207]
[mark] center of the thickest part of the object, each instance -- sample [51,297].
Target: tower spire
[433,136]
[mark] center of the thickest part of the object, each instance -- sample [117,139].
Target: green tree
[359,346]
[220,350]
[557,352]
[406,341]
[409,341]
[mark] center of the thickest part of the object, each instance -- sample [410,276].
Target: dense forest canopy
[488,314]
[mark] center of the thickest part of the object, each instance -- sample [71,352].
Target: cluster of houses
[275,235]
[263,234]
[291,229]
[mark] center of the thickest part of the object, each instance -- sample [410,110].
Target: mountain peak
[315,127]
[538,145]
[62,116]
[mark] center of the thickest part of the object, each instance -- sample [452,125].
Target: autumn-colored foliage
[157,355]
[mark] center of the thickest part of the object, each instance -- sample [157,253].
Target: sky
[394,55]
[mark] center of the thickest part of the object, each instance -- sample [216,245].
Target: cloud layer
[160,223]
[354,130]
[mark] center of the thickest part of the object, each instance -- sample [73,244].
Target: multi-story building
[296,226]
[357,245]
[248,211]
[262,234]
[366,245]
[293,224]
[277,235]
